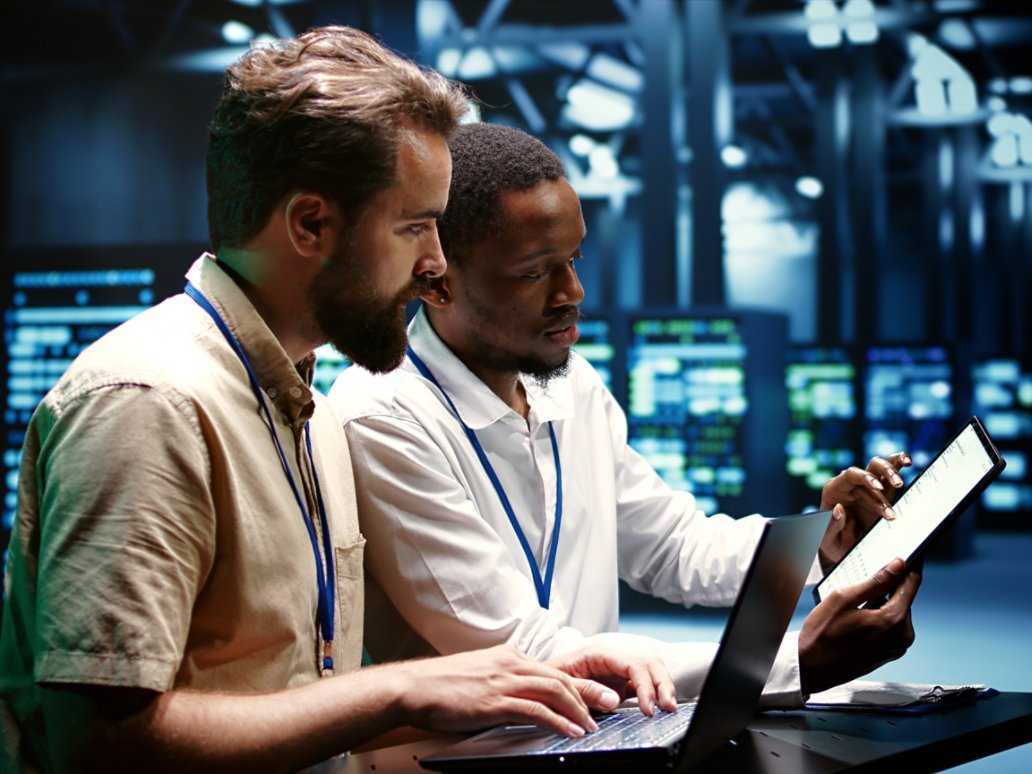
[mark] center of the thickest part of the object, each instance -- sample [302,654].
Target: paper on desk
[872,693]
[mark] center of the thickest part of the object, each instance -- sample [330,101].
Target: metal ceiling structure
[681,99]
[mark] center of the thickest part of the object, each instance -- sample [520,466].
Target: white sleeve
[669,548]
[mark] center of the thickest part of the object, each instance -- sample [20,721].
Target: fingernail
[576,731]
[609,697]
[895,566]
[592,725]
[889,513]
[875,483]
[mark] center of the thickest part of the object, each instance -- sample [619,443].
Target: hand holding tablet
[957,475]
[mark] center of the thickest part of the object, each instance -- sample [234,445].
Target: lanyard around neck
[325,579]
[543,585]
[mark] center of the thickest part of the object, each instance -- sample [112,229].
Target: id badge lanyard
[542,584]
[324,577]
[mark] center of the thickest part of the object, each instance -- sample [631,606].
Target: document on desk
[875,696]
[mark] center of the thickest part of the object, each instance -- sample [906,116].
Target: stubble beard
[494,357]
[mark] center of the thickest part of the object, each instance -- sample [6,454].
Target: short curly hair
[321,112]
[486,160]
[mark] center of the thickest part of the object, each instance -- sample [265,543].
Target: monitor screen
[1001,395]
[687,401]
[596,345]
[909,402]
[823,435]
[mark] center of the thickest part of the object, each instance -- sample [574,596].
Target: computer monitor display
[822,389]
[695,397]
[596,345]
[909,402]
[1002,398]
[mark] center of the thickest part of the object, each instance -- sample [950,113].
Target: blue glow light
[809,186]
[236,33]
[734,156]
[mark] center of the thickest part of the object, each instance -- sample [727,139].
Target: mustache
[418,287]
[567,315]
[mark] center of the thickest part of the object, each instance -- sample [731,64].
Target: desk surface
[814,742]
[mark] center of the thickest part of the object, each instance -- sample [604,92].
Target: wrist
[401,688]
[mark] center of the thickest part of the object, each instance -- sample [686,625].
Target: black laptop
[729,695]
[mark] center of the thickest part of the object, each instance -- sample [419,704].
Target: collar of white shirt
[476,403]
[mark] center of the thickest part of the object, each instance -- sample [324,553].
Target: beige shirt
[158,543]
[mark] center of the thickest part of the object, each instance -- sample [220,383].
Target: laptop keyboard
[628,729]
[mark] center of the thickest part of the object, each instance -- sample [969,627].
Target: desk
[813,742]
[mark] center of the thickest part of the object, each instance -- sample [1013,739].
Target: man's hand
[840,642]
[498,685]
[857,499]
[631,674]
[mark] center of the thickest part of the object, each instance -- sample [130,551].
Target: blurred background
[809,221]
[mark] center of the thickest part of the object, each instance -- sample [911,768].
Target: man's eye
[535,276]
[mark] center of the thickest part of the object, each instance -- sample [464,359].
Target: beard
[500,359]
[363,325]
[546,374]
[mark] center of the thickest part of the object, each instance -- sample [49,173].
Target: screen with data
[596,345]
[822,387]
[942,490]
[1001,394]
[910,402]
[687,402]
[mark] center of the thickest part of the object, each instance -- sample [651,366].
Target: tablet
[943,490]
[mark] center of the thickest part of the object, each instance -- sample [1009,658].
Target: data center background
[809,221]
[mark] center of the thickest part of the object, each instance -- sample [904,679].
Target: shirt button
[272,392]
[295,392]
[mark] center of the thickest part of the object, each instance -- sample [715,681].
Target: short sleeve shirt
[158,542]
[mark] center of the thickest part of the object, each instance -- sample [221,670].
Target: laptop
[729,696]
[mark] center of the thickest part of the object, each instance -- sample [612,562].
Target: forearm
[179,729]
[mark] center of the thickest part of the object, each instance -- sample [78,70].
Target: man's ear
[439,295]
[312,223]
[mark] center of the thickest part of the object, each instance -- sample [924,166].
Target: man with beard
[186,561]
[496,486]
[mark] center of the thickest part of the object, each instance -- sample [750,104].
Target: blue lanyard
[543,585]
[325,580]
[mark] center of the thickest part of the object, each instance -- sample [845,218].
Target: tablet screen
[927,503]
